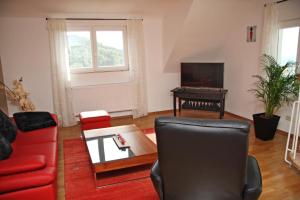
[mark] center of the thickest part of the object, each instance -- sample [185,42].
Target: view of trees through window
[110,50]
[80,51]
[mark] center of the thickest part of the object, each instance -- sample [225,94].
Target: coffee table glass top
[106,156]
[103,149]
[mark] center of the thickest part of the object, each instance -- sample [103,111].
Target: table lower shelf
[202,105]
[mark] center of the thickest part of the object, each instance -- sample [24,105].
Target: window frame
[82,69]
[100,25]
[288,24]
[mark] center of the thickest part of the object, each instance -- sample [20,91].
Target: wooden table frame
[144,149]
[209,96]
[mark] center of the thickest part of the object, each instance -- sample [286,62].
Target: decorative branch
[10,93]
[18,95]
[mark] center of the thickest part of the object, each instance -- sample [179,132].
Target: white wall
[115,93]
[24,51]
[289,10]
[32,59]
[110,91]
[110,97]
[173,20]
[242,59]
[159,82]
[199,30]
[215,31]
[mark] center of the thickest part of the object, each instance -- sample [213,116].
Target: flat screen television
[202,75]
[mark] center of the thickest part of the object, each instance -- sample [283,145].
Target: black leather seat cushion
[28,121]
[7,128]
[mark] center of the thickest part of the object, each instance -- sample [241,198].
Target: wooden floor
[279,180]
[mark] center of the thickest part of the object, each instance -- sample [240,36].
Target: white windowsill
[100,85]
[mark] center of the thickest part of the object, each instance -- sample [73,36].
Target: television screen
[202,74]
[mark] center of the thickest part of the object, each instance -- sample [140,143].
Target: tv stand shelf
[200,98]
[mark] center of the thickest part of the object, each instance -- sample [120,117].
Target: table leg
[174,104]
[179,104]
[222,109]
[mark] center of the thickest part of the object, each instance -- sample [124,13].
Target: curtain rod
[278,2]
[93,18]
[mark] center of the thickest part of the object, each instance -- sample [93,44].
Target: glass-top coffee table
[106,156]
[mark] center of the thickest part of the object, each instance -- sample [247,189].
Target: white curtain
[136,55]
[62,94]
[269,38]
[270,30]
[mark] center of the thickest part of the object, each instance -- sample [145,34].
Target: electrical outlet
[288,118]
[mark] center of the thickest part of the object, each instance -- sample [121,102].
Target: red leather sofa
[31,170]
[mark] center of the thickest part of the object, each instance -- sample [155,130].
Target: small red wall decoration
[251,33]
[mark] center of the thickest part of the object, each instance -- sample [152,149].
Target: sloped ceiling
[203,35]
[41,8]
[173,21]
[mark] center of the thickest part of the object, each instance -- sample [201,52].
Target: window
[80,50]
[110,48]
[97,46]
[288,44]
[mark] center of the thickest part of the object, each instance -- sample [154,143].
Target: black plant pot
[265,128]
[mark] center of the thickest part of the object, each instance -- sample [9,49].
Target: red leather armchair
[31,170]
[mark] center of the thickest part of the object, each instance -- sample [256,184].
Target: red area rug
[148,130]
[123,175]
[80,182]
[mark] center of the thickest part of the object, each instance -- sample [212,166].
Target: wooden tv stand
[200,98]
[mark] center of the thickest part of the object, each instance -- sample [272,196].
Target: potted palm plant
[276,87]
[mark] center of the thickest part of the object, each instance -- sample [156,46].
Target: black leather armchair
[204,159]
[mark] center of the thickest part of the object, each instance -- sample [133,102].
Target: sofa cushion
[22,164]
[49,150]
[45,192]
[28,121]
[94,116]
[26,180]
[37,136]
[7,128]
[5,148]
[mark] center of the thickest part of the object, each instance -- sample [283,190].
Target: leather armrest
[54,116]
[28,180]
[22,164]
[156,179]
[253,187]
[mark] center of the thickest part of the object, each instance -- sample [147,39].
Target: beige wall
[3,100]
[24,53]
[179,31]
[215,31]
